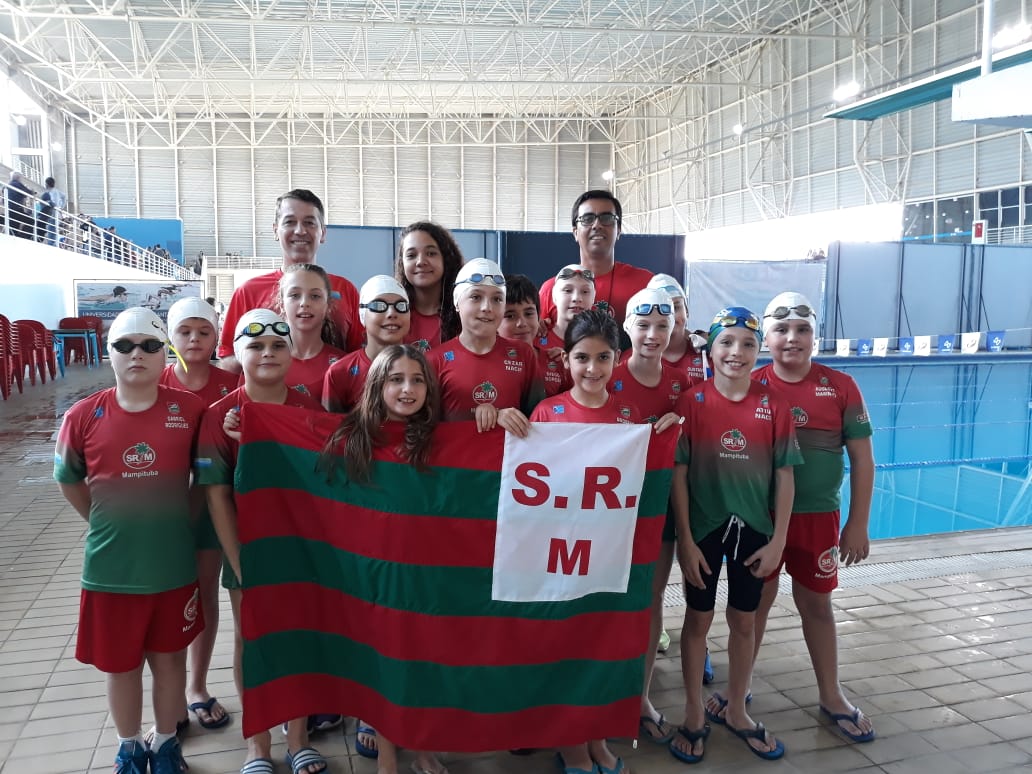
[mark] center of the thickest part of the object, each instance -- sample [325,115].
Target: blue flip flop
[719,720]
[571,770]
[851,717]
[699,735]
[364,750]
[258,766]
[644,733]
[760,733]
[617,769]
[205,706]
[303,758]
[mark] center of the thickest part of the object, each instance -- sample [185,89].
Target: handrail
[69,231]
[1009,235]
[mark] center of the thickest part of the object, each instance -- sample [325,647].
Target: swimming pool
[952,441]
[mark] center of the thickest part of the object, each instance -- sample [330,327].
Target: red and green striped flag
[375,601]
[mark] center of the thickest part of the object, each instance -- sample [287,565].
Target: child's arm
[763,562]
[231,424]
[669,419]
[223,518]
[854,542]
[511,419]
[693,565]
[78,496]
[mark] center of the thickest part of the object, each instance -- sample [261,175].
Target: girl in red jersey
[193,329]
[428,261]
[572,293]
[685,350]
[484,377]
[397,411]
[591,348]
[385,312]
[304,296]
[261,344]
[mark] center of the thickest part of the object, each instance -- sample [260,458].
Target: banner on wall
[106,298]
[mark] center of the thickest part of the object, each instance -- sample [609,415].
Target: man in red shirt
[300,227]
[596,218]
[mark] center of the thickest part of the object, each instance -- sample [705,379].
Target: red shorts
[811,551]
[116,630]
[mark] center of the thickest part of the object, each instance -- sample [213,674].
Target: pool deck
[935,638]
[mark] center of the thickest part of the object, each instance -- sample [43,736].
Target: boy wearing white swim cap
[261,343]
[830,417]
[123,461]
[486,378]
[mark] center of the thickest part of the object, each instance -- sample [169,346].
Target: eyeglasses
[256,329]
[477,278]
[781,312]
[150,346]
[731,321]
[645,309]
[567,273]
[380,306]
[589,218]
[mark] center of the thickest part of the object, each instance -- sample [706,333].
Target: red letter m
[561,559]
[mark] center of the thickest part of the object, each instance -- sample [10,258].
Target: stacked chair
[26,344]
[12,367]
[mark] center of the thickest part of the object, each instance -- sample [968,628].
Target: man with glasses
[597,217]
[299,227]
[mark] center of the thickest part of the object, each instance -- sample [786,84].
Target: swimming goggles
[646,309]
[150,346]
[380,306]
[781,312]
[566,273]
[477,278]
[256,329]
[733,320]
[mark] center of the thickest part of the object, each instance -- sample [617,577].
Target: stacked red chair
[11,367]
[75,349]
[97,325]
[32,340]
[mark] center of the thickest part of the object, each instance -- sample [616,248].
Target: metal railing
[27,216]
[1009,235]
[237,261]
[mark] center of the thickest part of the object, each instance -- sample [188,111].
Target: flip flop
[719,720]
[760,733]
[364,750]
[303,758]
[645,733]
[699,735]
[258,766]
[206,706]
[852,717]
[615,770]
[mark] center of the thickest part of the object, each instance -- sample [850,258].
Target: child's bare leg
[767,598]
[693,660]
[659,584]
[428,762]
[601,754]
[125,701]
[209,565]
[387,759]
[577,757]
[297,738]
[741,647]
[818,620]
[168,671]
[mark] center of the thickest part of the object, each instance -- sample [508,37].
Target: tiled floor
[942,660]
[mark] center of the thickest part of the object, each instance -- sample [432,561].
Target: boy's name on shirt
[763,412]
[175,420]
[824,391]
[515,366]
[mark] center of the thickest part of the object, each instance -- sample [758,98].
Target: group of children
[452,341]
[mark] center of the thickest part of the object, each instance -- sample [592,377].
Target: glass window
[1009,197]
[988,200]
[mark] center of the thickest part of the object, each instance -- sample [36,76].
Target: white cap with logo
[650,297]
[487,271]
[185,308]
[376,286]
[263,317]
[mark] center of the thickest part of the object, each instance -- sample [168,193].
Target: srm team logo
[485,393]
[733,441]
[139,456]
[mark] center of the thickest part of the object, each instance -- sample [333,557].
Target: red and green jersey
[689,364]
[220,383]
[216,451]
[732,449]
[506,377]
[650,402]
[563,408]
[308,375]
[612,290]
[828,410]
[140,538]
[424,331]
[262,291]
[554,374]
[342,386]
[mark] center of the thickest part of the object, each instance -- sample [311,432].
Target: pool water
[952,441]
